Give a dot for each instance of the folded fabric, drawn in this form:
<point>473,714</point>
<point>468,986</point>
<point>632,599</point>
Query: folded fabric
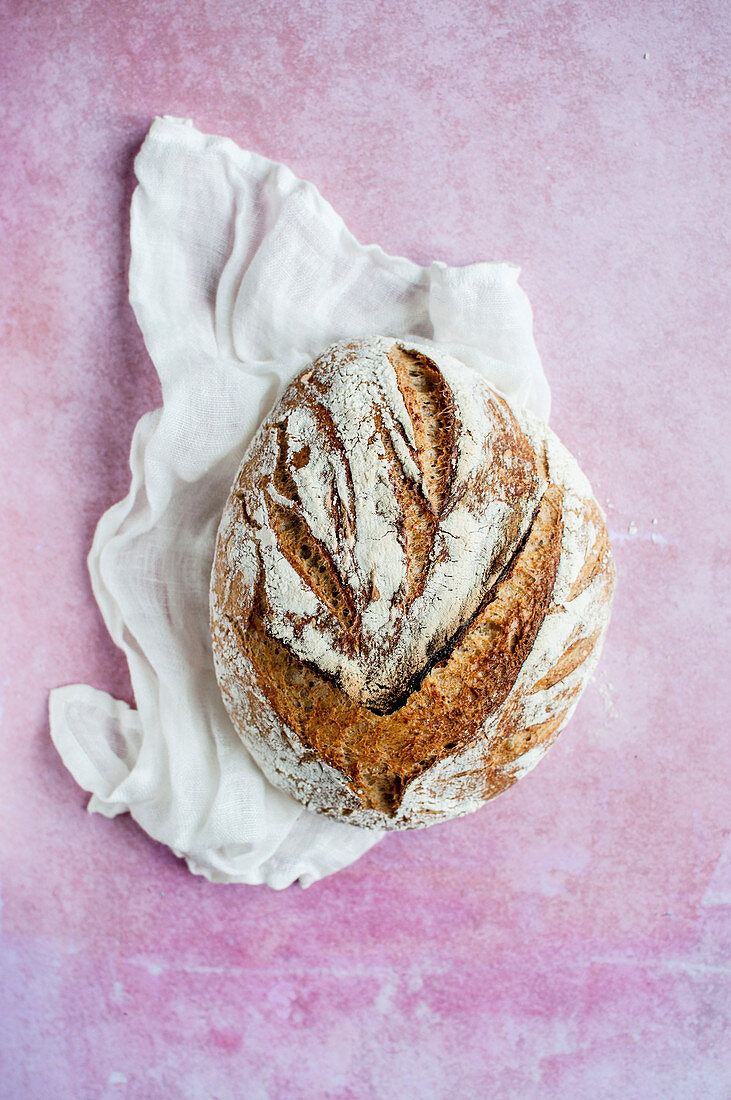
<point>240,275</point>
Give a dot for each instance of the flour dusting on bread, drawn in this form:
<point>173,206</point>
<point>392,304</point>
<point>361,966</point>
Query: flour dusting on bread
<point>411,586</point>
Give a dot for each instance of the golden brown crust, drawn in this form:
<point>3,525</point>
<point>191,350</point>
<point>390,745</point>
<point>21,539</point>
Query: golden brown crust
<point>381,754</point>
<point>600,557</point>
<point>574,656</point>
<point>478,707</point>
<point>433,415</point>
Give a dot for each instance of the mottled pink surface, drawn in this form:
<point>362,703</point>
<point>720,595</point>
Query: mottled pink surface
<point>572,939</point>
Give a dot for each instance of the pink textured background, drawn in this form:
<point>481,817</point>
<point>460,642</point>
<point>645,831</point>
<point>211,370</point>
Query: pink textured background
<point>572,939</point>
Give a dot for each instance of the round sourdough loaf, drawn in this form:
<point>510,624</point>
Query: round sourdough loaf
<point>411,586</point>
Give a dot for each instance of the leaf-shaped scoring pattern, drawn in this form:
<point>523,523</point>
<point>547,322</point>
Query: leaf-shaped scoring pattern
<point>410,591</point>
<point>387,495</point>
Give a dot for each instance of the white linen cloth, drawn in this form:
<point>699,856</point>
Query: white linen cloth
<point>240,275</point>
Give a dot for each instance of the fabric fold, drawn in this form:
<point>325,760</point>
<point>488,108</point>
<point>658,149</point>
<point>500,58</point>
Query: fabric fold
<point>240,274</point>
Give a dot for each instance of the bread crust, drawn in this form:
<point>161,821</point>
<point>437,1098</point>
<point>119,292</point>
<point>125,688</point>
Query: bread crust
<point>346,678</point>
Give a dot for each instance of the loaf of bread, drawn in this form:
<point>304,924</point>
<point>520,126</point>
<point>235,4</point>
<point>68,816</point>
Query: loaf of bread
<point>411,586</point>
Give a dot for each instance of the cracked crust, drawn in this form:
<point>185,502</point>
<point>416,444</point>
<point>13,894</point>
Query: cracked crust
<point>410,588</point>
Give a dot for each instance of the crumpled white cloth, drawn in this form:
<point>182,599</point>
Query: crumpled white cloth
<point>240,275</point>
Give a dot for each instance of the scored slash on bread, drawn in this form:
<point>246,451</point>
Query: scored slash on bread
<point>410,588</point>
